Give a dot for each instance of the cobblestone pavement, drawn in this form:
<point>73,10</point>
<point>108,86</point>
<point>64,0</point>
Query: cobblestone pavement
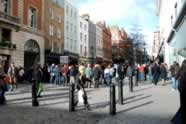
<point>148,104</point>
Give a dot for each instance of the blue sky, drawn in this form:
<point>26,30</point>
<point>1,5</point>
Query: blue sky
<point>125,13</point>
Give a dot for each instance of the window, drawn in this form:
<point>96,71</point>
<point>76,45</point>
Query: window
<point>81,37</point>
<point>81,49</point>
<point>51,30</point>
<point>32,17</point>
<point>51,13</point>
<point>67,10</point>
<point>59,19</point>
<point>6,6</point>
<point>81,24</point>
<point>59,33</point>
<point>171,20</point>
<point>71,26</point>
<point>67,26</point>
<point>85,38</point>
<point>6,35</point>
<point>175,7</point>
<point>85,52</point>
<point>52,46</point>
<point>71,13</point>
<point>85,27</point>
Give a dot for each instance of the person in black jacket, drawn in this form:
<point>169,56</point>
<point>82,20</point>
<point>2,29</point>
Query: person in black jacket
<point>96,75</point>
<point>180,76</point>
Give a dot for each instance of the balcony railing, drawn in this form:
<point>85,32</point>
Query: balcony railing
<point>7,45</point>
<point>9,18</point>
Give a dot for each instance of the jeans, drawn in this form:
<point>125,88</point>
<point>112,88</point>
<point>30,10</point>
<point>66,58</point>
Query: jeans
<point>58,80</point>
<point>51,79</point>
<point>141,76</point>
<point>174,83</point>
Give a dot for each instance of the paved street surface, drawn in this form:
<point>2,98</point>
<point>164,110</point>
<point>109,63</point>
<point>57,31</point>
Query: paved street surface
<point>147,105</point>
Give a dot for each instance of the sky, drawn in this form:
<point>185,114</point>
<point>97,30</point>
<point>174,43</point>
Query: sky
<point>124,13</point>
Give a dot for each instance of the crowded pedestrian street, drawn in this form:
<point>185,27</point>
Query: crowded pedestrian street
<point>148,104</point>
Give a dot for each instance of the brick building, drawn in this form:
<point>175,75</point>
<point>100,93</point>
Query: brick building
<point>54,30</point>
<point>119,38</point>
<point>107,41</point>
<point>22,39</point>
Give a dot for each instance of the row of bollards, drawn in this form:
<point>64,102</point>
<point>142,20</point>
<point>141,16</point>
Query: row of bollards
<point>112,104</point>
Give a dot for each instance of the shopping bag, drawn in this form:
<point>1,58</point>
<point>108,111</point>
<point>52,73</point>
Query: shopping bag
<point>80,96</point>
<point>40,87</point>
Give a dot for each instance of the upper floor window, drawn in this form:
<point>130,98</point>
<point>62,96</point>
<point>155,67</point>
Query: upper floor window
<point>67,10</point>
<point>171,20</point>
<point>51,13</point>
<point>81,36</point>
<point>59,33</point>
<point>32,17</point>
<point>59,19</point>
<point>85,27</point>
<point>51,30</point>
<point>81,24</point>
<point>71,13</point>
<point>6,6</point>
<point>175,7</point>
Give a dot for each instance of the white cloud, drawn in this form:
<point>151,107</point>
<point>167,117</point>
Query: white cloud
<point>109,10</point>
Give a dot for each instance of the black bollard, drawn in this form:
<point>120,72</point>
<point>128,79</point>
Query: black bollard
<point>35,103</point>
<point>136,83</point>
<point>120,92</point>
<point>112,100</point>
<point>71,98</point>
<point>131,84</point>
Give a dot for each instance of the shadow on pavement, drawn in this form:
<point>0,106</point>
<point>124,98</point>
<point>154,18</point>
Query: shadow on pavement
<point>135,100</point>
<point>135,107</point>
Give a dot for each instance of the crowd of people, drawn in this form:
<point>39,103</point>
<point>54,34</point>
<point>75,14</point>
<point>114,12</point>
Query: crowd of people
<point>88,76</point>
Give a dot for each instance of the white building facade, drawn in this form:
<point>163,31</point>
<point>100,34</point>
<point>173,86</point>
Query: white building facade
<point>99,43</point>
<point>172,29</point>
<point>70,28</point>
<point>83,37</point>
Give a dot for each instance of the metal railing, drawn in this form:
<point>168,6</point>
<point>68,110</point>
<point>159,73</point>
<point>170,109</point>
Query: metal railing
<point>7,45</point>
<point>9,17</point>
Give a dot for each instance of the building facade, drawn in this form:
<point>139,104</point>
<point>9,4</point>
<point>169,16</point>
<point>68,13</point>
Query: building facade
<point>99,44</point>
<point>22,31</point>
<point>54,31</point>
<point>83,36</point>
<point>156,44</point>
<point>107,42</point>
<point>172,28</point>
<point>92,42</point>
<point>71,30</point>
<point>119,38</point>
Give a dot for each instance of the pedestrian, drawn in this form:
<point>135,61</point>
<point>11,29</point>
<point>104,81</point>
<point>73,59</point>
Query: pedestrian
<point>150,73</point>
<point>12,73</point>
<point>107,75</point>
<point>57,75</point>
<point>182,89</point>
<point>65,71</point>
<point>130,72</point>
<point>52,73</point>
<point>96,75</point>
<point>156,73</point>
<point>88,74</point>
<point>46,74</point>
<point>3,86</point>
<point>163,73</point>
<point>81,94</point>
<point>141,72</point>
<point>173,76</point>
<point>72,74</point>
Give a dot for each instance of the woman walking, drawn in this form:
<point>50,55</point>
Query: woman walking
<point>163,73</point>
